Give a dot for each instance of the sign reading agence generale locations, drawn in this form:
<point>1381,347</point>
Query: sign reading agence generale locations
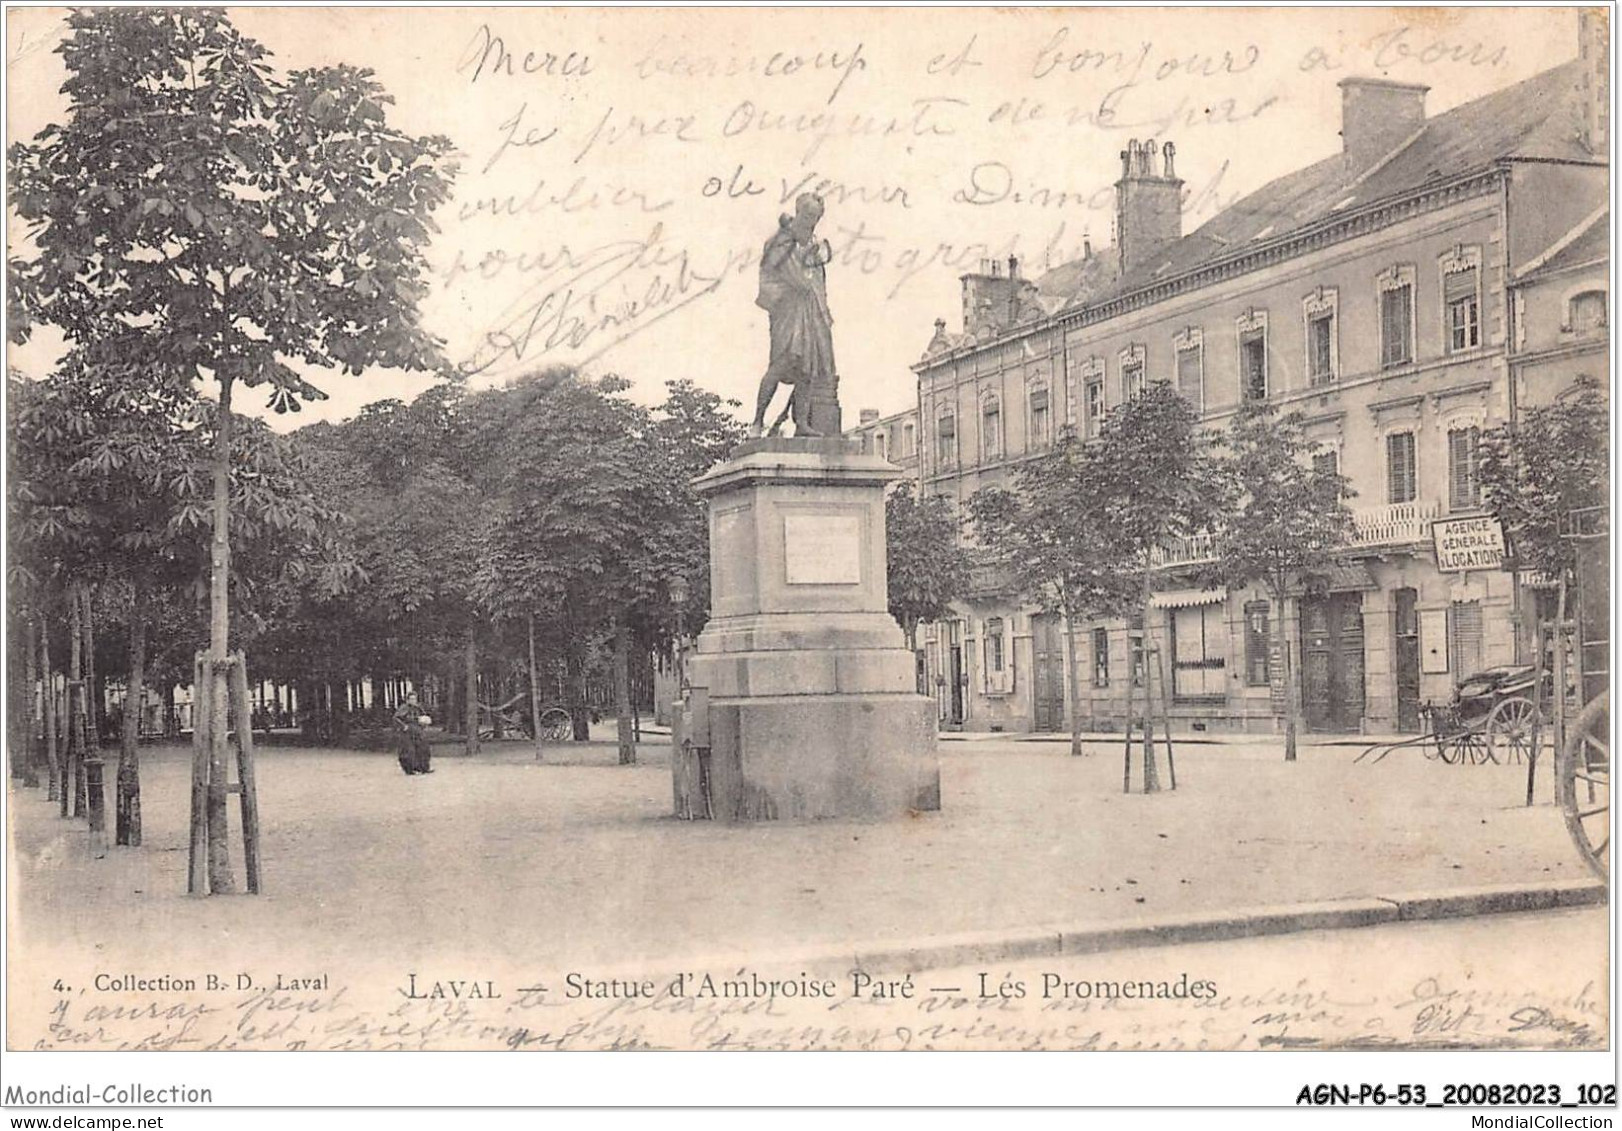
<point>1468,543</point>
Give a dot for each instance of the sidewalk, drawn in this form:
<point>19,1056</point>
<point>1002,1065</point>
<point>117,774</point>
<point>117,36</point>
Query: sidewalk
<point>575,860</point>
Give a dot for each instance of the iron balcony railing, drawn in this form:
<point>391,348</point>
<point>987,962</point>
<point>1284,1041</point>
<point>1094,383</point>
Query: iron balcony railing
<point>1394,524</point>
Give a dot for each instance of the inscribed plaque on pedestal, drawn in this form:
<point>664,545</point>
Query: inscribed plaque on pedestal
<point>822,549</point>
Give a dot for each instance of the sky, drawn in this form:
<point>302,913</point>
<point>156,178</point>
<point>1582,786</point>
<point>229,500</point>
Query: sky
<point>621,168</point>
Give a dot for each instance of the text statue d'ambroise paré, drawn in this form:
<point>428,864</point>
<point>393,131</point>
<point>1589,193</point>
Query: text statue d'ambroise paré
<point>794,294</point>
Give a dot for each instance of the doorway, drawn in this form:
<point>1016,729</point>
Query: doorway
<point>954,715</point>
<point>1047,647</point>
<point>1332,662</point>
<point>1405,649</point>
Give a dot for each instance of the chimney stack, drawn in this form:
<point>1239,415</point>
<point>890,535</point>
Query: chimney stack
<point>1376,116</point>
<point>1148,204</point>
<point>869,416</point>
<point>1594,49</point>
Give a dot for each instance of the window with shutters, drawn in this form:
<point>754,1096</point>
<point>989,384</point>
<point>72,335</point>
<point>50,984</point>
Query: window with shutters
<point>1100,657</point>
<point>1190,352</point>
<point>1463,459</point>
<point>1095,406</point>
<point>1402,480</point>
<point>1320,349</point>
<point>1199,650</point>
<point>1396,290</point>
<point>946,438</point>
<point>991,428</point>
<point>1253,367</point>
<point>1465,640</point>
<point>909,439</point>
<point>1258,670</point>
<point>996,667</point>
<point>1251,327</point>
<point>1319,311</point>
<point>1462,304</point>
<point>1041,429</point>
<point>1133,367</point>
<point>1326,462</point>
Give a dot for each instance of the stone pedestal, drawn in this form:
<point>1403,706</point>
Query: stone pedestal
<point>804,692</point>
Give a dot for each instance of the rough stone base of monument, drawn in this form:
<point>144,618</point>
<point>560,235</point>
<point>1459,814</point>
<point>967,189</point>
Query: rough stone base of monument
<point>804,703</point>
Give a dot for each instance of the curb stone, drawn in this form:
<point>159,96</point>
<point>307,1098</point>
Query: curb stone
<point>1243,923</point>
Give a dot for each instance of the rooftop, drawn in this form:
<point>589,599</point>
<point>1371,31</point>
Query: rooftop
<point>1534,120</point>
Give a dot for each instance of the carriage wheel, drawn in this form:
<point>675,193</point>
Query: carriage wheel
<point>1585,784</point>
<point>1512,729</point>
<point>556,725</point>
<point>1449,748</point>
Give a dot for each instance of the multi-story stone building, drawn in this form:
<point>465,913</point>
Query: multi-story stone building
<point>1401,296</point>
<point>895,437</point>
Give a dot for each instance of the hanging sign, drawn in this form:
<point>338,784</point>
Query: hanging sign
<point>1476,542</point>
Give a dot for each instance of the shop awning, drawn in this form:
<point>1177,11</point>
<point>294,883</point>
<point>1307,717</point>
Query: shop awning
<point>1184,598</point>
<point>1353,578</point>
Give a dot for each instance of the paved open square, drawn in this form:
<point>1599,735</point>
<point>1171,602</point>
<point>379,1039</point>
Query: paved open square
<point>577,860</point>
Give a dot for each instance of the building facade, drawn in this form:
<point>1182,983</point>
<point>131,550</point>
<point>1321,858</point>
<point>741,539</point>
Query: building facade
<point>894,437</point>
<point>1402,296</point>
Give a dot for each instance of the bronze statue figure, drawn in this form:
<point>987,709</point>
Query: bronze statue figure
<point>794,294</point>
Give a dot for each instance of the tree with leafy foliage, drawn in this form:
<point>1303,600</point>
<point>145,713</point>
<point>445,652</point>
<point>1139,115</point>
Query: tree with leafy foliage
<point>928,568</point>
<point>1046,533</point>
<point>1080,529</point>
<point>195,218</point>
<point>1535,471</point>
<point>1288,521</point>
<point>575,492</point>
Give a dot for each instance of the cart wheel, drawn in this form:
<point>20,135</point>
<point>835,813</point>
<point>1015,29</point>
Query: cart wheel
<point>556,725</point>
<point>1512,728</point>
<point>1585,784</point>
<point>1450,748</point>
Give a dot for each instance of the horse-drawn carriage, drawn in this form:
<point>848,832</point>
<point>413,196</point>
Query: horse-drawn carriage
<point>1493,716</point>
<point>1510,714</point>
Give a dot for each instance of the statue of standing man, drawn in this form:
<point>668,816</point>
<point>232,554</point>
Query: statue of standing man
<point>794,294</point>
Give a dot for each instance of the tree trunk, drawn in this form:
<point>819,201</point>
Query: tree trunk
<point>1151,772</point>
<point>76,699</point>
<point>93,700</point>
<point>55,790</point>
<point>35,703</point>
<point>470,657</point>
<point>1074,683</point>
<point>534,691</point>
<point>219,564</point>
<point>127,822</point>
<point>622,691</point>
<point>579,713</point>
<point>214,721</point>
<point>1281,638</point>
